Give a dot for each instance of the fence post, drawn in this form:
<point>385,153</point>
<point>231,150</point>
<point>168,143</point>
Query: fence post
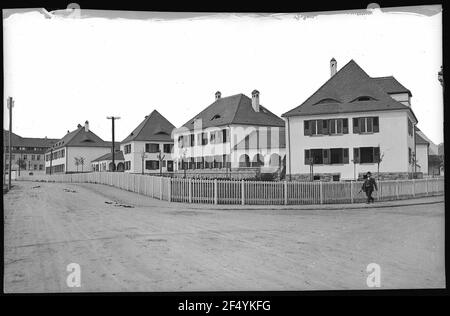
<point>190,190</point>
<point>243,191</point>
<point>351,191</point>
<point>216,195</point>
<point>285,193</point>
<point>160,189</point>
<point>321,191</point>
<point>397,189</point>
<point>169,190</point>
<point>414,187</point>
<point>426,186</point>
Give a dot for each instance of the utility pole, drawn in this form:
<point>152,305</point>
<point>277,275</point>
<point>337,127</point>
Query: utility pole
<point>10,107</point>
<point>113,118</point>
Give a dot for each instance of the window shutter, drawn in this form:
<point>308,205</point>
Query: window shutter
<point>307,128</point>
<point>355,125</point>
<point>356,155</point>
<point>345,126</point>
<point>307,156</point>
<point>325,129</point>
<point>339,126</point>
<point>345,155</point>
<point>362,125</point>
<point>376,127</point>
<point>326,156</point>
<point>376,154</point>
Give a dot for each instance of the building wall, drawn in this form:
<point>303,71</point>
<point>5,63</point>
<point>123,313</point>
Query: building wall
<point>135,159</point>
<point>237,134</point>
<point>392,138</point>
<point>32,165</point>
<point>422,157</point>
<point>89,154</point>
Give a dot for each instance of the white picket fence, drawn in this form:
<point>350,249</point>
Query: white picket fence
<point>250,192</point>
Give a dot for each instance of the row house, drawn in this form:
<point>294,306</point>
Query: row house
<point>232,134</point>
<point>351,125</point>
<point>75,151</point>
<point>148,149</point>
<point>27,153</point>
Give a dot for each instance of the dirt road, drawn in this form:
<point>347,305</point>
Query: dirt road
<point>127,242</point>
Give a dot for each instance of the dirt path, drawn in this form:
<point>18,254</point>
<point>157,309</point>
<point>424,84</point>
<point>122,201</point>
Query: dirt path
<point>135,243</point>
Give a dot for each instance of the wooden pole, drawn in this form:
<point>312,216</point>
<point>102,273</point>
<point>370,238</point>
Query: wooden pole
<point>10,106</point>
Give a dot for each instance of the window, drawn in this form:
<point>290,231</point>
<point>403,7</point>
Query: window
<point>24,157</point>
<point>127,150</point>
<point>38,157</point>
<point>366,154</point>
<point>151,164</point>
<point>215,117</point>
<point>41,167</point>
<point>212,138</point>
<point>326,127</point>
<point>152,148</point>
<point>225,135</point>
<point>364,98</point>
<point>409,155</point>
<point>363,125</point>
<point>35,167</point>
<point>204,138</point>
<point>327,100</point>
<point>327,156</point>
<point>33,157</point>
<point>167,148</point>
<point>127,165</point>
<point>192,140</point>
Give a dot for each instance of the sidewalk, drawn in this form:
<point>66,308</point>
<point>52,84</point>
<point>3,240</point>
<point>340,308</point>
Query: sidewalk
<point>385,204</point>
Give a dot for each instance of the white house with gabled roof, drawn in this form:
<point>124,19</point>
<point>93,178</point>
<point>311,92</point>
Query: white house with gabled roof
<point>348,125</point>
<point>64,155</point>
<point>148,148</point>
<point>232,134</point>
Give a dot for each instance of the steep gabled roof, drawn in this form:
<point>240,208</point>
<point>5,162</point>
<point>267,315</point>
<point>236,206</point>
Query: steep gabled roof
<point>80,138</point>
<point>154,127</point>
<point>118,155</point>
<point>391,85</point>
<point>26,141</point>
<point>345,87</point>
<point>235,109</point>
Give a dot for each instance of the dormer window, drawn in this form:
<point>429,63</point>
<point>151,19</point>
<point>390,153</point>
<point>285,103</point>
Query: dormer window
<point>327,100</point>
<point>364,98</point>
<point>215,117</point>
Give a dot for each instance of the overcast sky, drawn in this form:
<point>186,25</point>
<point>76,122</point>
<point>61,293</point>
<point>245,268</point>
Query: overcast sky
<point>64,71</point>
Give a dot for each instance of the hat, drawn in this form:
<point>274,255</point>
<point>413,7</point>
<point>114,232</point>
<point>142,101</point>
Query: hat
<point>368,173</point>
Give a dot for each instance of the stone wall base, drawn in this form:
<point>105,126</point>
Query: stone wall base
<point>336,176</point>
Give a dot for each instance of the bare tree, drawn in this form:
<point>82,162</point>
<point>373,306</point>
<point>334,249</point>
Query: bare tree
<point>77,162</point>
<point>161,159</point>
<point>82,161</point>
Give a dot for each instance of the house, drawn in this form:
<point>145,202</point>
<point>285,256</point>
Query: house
<point>105,163</point>
<point>75,151</point>
<point>351,125</point>
<point>27,153</point>
<point>422,152</point>
<point>148,149</point>
<point>233,135</point>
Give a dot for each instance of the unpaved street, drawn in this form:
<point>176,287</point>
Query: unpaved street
<point>127,242</point>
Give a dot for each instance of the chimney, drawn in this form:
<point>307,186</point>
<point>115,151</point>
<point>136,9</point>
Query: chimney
<point>86,126</point>
<point>68,131</point>
<point>218,95</point>
<point>333,67</point>
<point>79,126</point>
<point>255,100</point>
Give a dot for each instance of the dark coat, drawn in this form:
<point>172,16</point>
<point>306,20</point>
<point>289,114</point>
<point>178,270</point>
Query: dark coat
<point>369,184</point>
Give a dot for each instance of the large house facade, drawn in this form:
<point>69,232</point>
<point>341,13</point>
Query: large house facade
<point>75,151</point>
<point>148,149</point>
<point>233,135</point>
<point>351,125</point>
<point>27,153</point>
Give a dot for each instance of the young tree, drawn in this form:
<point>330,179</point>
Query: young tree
<point>161,159</point>
<point>82,161</point>
<point>77,162</point>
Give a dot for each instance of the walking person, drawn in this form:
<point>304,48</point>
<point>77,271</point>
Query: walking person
<point>368,186</point>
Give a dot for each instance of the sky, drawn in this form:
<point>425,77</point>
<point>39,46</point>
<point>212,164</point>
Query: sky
<point>63,71</point>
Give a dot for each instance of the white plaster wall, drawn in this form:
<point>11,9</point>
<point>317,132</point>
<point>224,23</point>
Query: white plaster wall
<point>422,157</point>
<point>135,156</point>
<point>89,154</point>
<point>392,139</point>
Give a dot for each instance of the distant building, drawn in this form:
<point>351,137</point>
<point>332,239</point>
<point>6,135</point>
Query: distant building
<point>148,145</point>
<point>348,125</point>
<point>105,163</point>
<point>234,134</point>
<point>422,152</point>
<point>27,154</point>
<point>64,156</point>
